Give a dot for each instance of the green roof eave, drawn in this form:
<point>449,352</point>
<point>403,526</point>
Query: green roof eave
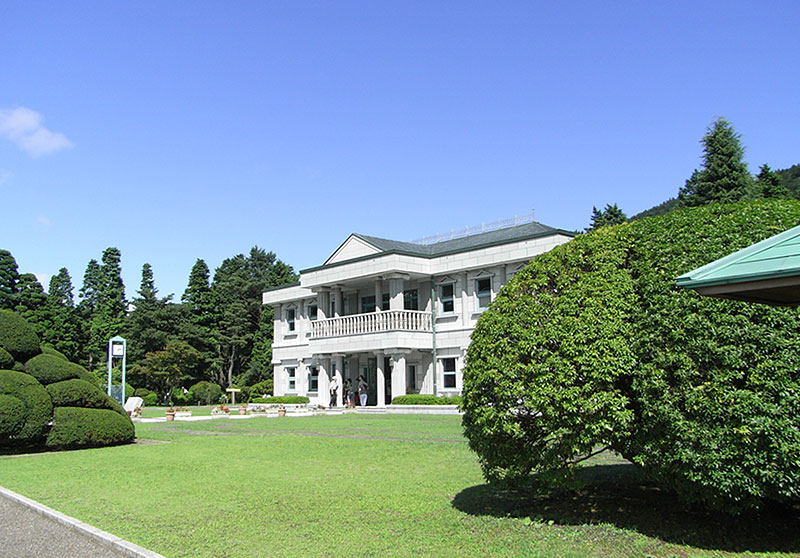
<point>776,257</point>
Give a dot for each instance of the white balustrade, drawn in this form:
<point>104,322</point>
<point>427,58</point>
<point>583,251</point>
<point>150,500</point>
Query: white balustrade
<point>373,322</point>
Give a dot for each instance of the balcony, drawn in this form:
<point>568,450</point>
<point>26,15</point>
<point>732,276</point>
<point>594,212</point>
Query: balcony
<point>373,322</point>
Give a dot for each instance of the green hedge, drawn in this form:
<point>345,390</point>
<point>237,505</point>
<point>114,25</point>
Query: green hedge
<point>74,427</point>
<point>282,399</point>
<point>205,393</point>
<point>38,408</point>
<point>593,344</point>
<point>17,337</point>
<point>80,393</point>
<point>150,400</point>
<point>49,350</point>
<point>424,399</point>
<point>13,413</point>
<point>48,369</point>
<point>6,360</point>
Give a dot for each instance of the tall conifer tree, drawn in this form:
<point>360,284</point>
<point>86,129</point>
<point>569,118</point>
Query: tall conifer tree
<point>724,176</point>
<point>9,276</point>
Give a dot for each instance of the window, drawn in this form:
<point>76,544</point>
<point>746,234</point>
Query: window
<point>385,302</point>
<point>447,299</point>
<point>313,378</point>
<point>291,381</point>
<point>411,384</point>
<point>290,319</point>
<point>449,366</point>
<point>367,304</point>
<point>312,312</point>
<point>483,288</point>
<point>410,300</point>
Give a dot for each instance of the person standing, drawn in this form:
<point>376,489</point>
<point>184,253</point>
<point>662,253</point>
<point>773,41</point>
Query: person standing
<point>347,391</point>
<point>334,387</point>
<point>362,391</point>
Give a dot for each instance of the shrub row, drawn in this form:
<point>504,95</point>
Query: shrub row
<point>284,399</point>
<point>424,399</point>
<point>29,423</point>
<point>75,427</point>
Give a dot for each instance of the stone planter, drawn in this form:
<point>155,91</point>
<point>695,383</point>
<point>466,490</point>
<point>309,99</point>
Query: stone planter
<point>281,412</point>
<point>183,414</point>
<point>242,410</point>
<point>170,416</point>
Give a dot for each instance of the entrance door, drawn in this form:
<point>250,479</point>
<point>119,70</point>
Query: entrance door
<point>387,374</point>
<point>370,373</point>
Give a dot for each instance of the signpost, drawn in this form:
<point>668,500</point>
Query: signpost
<point>117,348</point>
<point>233,392</point>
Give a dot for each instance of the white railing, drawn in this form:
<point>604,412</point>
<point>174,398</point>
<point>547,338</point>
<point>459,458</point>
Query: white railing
<point>374,322</point>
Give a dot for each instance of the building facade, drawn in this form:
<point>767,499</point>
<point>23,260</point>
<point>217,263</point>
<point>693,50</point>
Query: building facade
<point>399,314</point>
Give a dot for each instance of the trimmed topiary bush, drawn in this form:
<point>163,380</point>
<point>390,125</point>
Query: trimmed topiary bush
<point>282,399</point>
<point>80,393</point>
<point>594,345</point>
<point>150,400</point>
<point>48,369</point>
<point>262,389</point>
<point>17,337</point>
<point>75,427</point>
<point>425,399</point>
<point>205,393</point>
<point>38,408</point>
<point>48,350</point>
<point>6,360</point>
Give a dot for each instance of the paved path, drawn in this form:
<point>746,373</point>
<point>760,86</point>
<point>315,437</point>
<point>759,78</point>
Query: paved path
<point>31,530</point>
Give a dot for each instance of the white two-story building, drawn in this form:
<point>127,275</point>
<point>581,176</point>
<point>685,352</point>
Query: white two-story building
<point>398,313</point>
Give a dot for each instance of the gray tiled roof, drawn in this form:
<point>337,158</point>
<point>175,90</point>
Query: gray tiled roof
<point>501,236</point>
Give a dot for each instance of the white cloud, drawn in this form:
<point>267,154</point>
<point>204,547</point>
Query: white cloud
<point>43,220</point>
<point>24,127</point>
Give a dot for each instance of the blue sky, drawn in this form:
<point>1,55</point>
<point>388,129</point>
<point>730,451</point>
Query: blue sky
<point>184,130</point>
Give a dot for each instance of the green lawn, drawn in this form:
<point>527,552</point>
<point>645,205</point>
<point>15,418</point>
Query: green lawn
<point>365,485</point>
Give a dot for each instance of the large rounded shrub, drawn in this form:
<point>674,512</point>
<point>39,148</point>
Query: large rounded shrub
<point>25,408</point>
<point>6,360</point>
<point>49,368</point>
<point>17,337</point>
<point>205,393</point>
<point>80,393</point>
<point>75,427</point>
<point>593,344</point>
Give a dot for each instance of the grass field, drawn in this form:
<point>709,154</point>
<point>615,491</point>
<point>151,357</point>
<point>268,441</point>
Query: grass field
<point>366,485</point>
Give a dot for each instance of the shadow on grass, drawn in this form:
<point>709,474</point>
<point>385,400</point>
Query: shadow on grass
<point>618,495</point>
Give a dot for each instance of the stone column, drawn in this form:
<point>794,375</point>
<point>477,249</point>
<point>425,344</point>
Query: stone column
<point>464,299</point>
<point>337,302</point>
<point>396,294</point>
<point>381,381</point>
<point>378,294</point>
<point>338,369</point>
<point>323,307</point>
<point>276,322</point>
<point>399,376</point>
<point>323,383</point>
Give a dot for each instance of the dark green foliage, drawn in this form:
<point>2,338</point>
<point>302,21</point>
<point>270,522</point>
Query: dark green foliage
<point>75,427</point>
<point>13,413</point>
<point>768,184</point>
<point>6,360</point>
<point>30,302</point>
<point>661,209</point>
<point>8,280</point>
<point>282,399</point>
<point>150,400</point>
<point>205,393</point>
<point>18,386</point>
<point>17,336</point>
<point>61,321</point>
<point>593,345</point>
<point>48,350</point>
<point>724,176</point>
<point>611,215</point>
<point>423,399</point>
<point>262,389</point>
<point>790,178</point>
<point>165,369</point>
<point>48,369</point>
<point>80,393</point>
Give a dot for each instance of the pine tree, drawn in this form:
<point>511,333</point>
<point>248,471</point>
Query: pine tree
<point>30,302</point>
<point>153,322</point>
<point>9,276</point>
<point>611,215</point>
<point>63,325</point>
<point>724,176</point>
<point>769,185</point>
